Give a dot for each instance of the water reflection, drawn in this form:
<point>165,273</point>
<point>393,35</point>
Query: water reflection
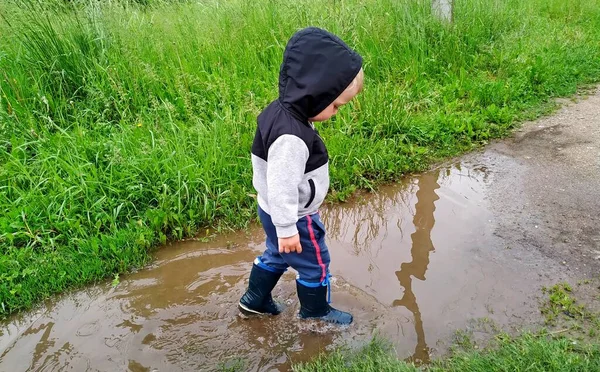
<point>366,219</point>
<point>422,246</point>
<point>180,313</point>
<point>371,224</point>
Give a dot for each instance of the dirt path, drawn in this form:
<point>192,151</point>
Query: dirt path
<point>467,243</point>
<point>547,194</point>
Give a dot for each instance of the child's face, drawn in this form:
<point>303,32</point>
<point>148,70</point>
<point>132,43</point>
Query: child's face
<point>343,99</point>
<point>332,109</point>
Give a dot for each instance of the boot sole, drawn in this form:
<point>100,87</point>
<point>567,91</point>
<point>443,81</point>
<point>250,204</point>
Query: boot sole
<point>325,320</point>
<point>248,311</point>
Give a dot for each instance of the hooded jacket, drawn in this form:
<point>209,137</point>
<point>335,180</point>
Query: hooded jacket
<point>289,160</point>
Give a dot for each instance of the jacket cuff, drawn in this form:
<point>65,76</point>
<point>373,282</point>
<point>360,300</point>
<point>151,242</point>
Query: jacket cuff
<point>286,231</point>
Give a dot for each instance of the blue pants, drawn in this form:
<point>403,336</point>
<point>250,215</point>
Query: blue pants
<point>312,264</point>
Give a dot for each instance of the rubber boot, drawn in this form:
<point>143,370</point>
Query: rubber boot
<point>314,305</point>
<point>257,299</point>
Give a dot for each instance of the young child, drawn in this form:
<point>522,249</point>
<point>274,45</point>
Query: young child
<point>319,74</point>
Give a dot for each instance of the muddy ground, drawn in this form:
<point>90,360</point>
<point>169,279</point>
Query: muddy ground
<point>547,194</point>
<point>471,242</point>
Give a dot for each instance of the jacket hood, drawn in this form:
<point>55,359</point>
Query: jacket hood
<point>317,67</point>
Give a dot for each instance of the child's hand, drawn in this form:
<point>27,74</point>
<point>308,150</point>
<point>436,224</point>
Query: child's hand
<point>291,244</point>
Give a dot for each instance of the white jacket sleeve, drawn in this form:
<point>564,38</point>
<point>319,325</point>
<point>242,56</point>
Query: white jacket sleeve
<point>286,164</point>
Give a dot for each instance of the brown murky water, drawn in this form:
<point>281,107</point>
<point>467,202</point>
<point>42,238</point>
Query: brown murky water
<point>414,262</point>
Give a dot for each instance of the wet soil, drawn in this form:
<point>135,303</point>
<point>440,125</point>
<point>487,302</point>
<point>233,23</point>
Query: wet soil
<point>469,241</point>
<point>549,175</point>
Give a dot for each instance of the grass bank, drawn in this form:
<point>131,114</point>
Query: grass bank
<point>124,125</point>
<point>572,343</point>
<point>528,352</point>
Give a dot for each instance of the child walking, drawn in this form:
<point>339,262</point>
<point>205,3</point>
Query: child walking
<point>319,74</point>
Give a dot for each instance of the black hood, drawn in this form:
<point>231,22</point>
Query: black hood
<point>317,67</point>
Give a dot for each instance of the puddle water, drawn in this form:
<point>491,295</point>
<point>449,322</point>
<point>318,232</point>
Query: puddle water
<point>414,263</point>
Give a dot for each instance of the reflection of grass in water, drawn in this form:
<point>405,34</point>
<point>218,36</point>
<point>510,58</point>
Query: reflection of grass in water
<point>232,365</point>
<point>368,218</point>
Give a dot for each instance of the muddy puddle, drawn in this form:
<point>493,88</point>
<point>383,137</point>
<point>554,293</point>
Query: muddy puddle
<point>414,263</point>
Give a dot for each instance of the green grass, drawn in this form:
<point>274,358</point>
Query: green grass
<point>543,351</point>
<point>377,356</point>
<point>562,309</point>
<point>125,125</point>
<point>561,302</point>
<point>528,352</point>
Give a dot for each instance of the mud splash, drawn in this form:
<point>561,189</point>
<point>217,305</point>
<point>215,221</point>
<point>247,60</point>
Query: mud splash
<point>413,262</point>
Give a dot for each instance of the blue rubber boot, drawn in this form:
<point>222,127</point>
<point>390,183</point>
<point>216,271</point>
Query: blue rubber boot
<point>258,300</point>
<point>314,305</point>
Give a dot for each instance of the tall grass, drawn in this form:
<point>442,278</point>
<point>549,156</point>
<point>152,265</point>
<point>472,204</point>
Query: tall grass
<point>123,125</point>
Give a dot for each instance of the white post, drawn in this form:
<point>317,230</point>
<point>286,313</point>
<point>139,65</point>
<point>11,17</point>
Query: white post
<point>443,9</point>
